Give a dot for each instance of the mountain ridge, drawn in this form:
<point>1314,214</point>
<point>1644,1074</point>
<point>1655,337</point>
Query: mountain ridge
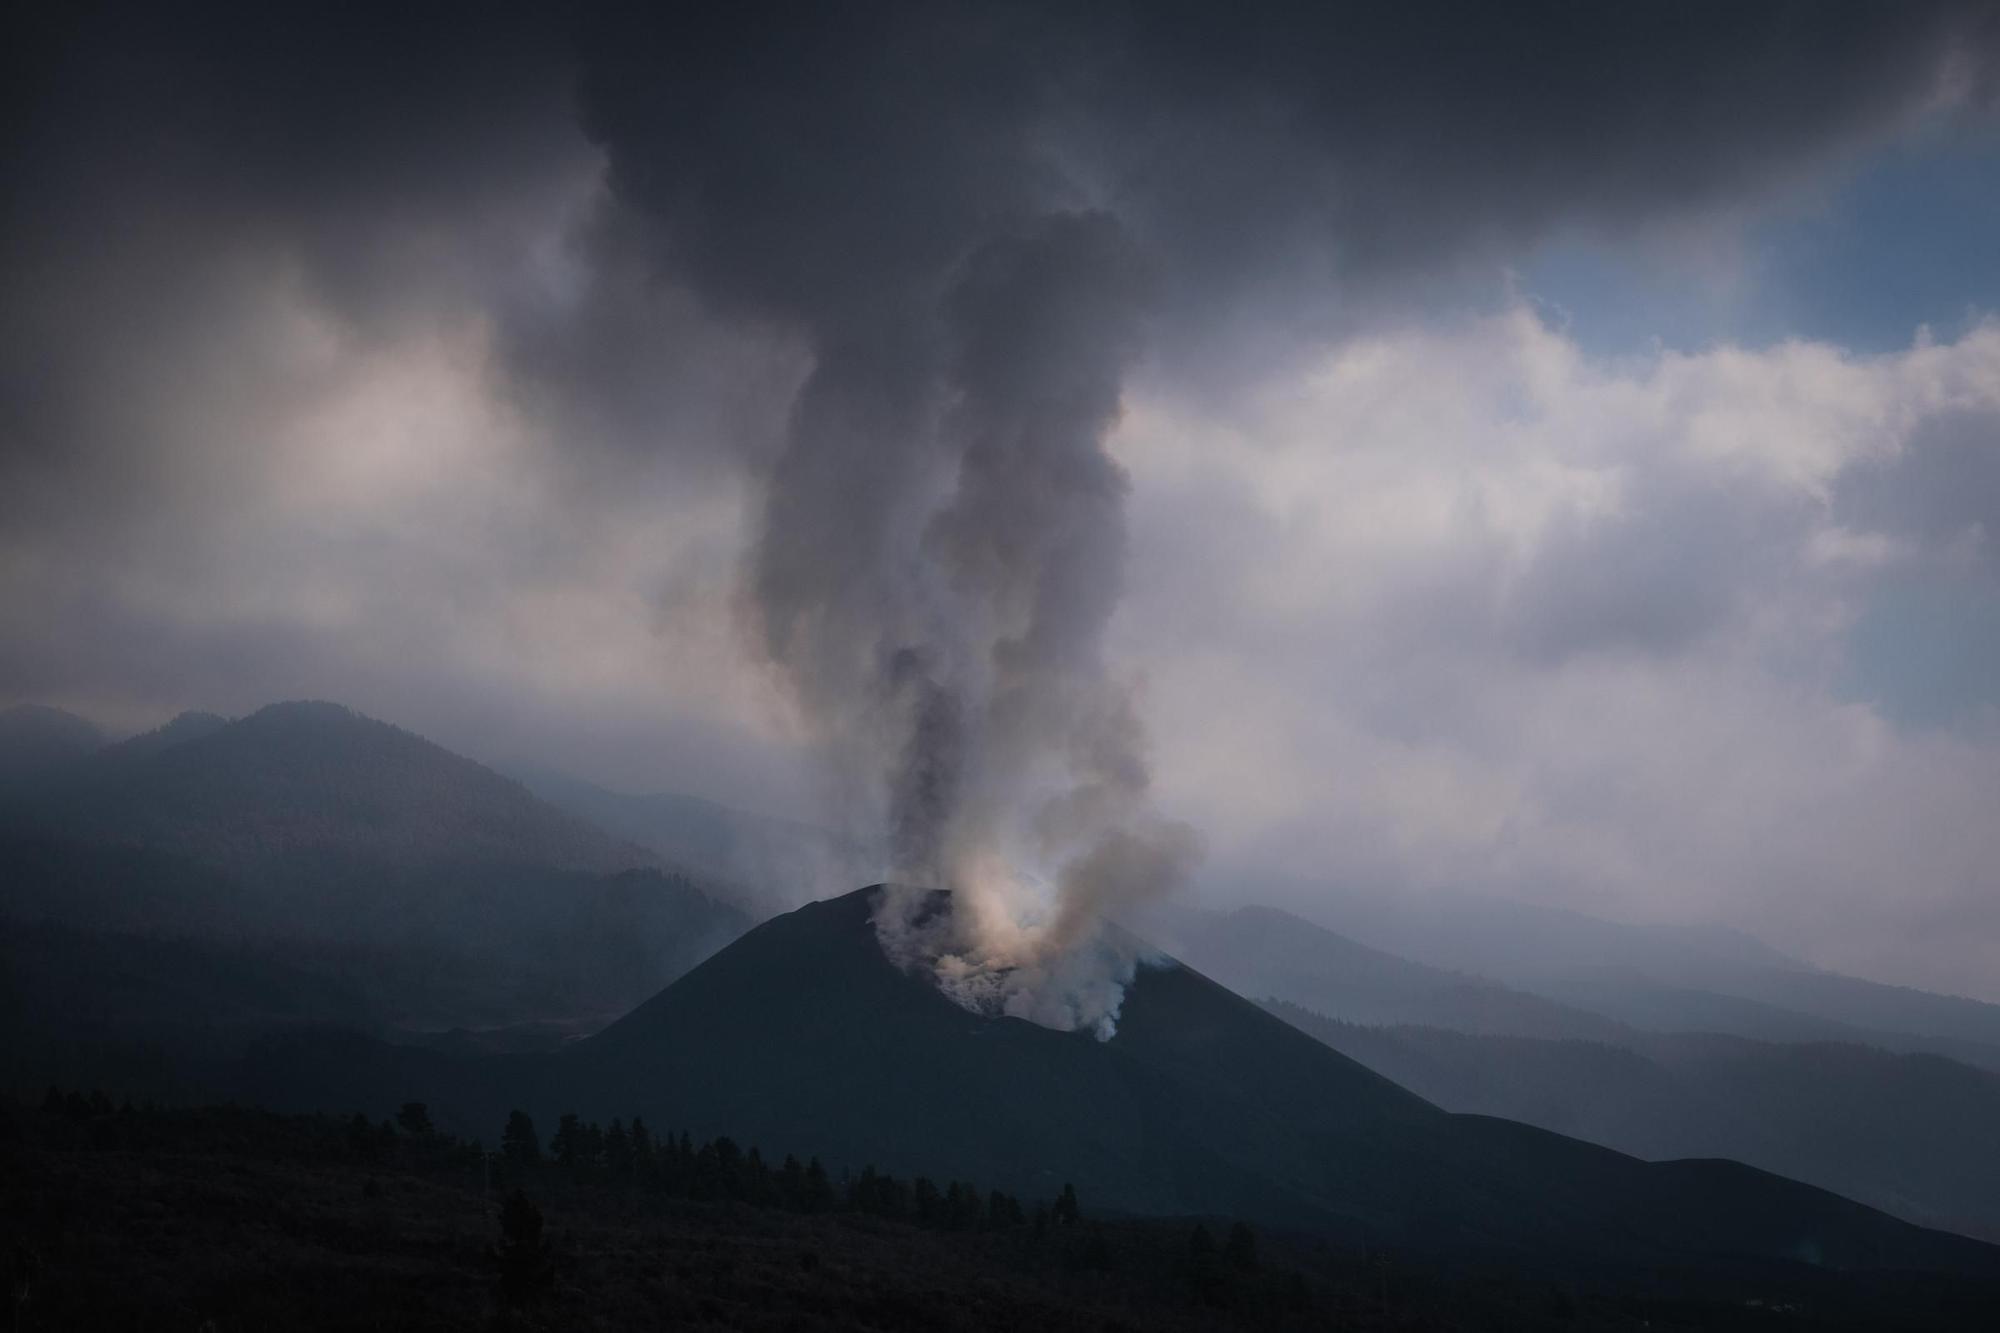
<point>1653,978</point>
<point>802,1032</point>
<point>352,849</point>
<point>1907,1133</point>
<point>39,742</point>
<point>298,777</point>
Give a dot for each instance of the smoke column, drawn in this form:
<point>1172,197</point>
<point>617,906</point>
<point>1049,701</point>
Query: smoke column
<point>942,537</point>
<point>940,557</point>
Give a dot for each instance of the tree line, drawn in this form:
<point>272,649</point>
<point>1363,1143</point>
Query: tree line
<point>583,1160</point>
<point>622,1154</point>
<point>721,1170</point>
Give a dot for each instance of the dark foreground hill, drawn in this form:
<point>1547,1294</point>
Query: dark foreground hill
<point>802,1033</point>
<point>227,1218</point>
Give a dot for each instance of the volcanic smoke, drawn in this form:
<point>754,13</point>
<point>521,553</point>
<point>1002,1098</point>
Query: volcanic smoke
<point>942,536</point>
<point>944,626</point>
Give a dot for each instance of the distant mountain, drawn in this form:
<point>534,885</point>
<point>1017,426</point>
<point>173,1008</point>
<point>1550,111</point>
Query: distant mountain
<point>295,781</point>
<point>1974,1025</point>
<point>769,863</point>
<point>802,1033</point>
<point>1515,941</point>
<point>1910,1134</point>
<point>1265,952</point>
<point>188,726</point>
<point>1660,978</point>
<point>1262,951</point>
<point>39,744</point>
<point>444,894</point>
<point>470,947</point>
<point>1801,1007</point>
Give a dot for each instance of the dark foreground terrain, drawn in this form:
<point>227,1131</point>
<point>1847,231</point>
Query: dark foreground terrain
<point>228,1218</point>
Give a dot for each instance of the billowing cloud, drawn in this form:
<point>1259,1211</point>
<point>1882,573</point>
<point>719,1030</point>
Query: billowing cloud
<point>495,369</point>
<point>1473,608</point>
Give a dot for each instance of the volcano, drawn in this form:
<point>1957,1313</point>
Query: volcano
<point>802,1037</point>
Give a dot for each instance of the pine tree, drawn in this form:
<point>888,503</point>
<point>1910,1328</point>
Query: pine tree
<point>525,1272</point>
<point>1066,1210</point>
<point>705,1174</point>
<point>728,1168</point>
<point>1003,1210</point>
<point>792,1182</point>
<point>757,1186</point>
<point>1202,1274</point>
<point>566,1144</point>
<point>618,1151</point>
<point>1241,1247</point>
<point>819,1190</point>
<point>518,1143</point>
<point>961,1206</point>
<point>414,1118</point>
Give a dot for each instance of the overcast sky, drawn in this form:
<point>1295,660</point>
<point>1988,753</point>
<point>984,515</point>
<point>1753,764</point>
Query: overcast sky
<point>1563,448</point>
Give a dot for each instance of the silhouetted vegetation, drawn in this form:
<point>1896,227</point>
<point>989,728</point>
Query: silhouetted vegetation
<point>525,1271</point>
<point>561,1228</point>
<point>414,1118</point>
<point>518,1143</point>
<point>117,1215</point>
<point>721,1171</point>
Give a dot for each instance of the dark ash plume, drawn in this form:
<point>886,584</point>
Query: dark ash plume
<point>952,649</point>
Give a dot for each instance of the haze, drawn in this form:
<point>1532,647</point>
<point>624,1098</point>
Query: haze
<point>1560,464</point>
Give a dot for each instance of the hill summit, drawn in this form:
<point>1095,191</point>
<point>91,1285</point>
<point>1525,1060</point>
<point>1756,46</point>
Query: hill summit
<point>350,850</point>
<point>302,779</point>
<point>38,743</point>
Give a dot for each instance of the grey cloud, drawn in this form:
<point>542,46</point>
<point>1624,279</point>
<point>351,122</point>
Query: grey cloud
<point>1925,647</point>
<point>1941,488</point>
<point>942,237</point>
<point>370,143</point>
<point>172,172</point>
<point>617,360</point>
<point>1681,557</point>
<point>1285,160</point>
<point>809,160</point>
<point>1318,162</point>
